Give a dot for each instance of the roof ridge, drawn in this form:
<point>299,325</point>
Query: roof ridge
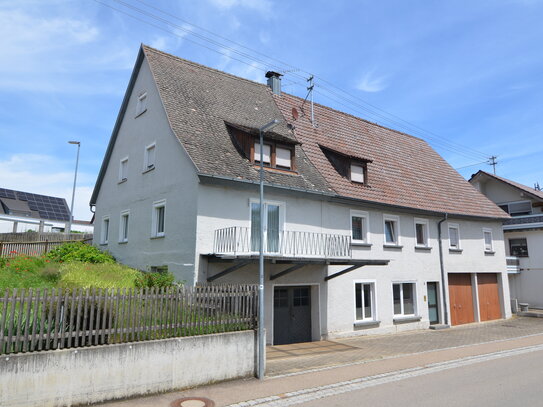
<point>188,62</point>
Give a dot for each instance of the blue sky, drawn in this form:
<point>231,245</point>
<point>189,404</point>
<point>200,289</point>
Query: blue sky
<point>463,72</point>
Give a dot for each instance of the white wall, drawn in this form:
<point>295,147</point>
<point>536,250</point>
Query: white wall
<point>174,179</point>
<point>221,207</point>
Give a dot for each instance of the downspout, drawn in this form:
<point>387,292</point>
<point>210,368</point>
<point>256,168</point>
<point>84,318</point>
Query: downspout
<point>443,291</point>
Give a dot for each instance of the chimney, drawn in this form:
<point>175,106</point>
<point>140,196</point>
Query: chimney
<point>274,81</point>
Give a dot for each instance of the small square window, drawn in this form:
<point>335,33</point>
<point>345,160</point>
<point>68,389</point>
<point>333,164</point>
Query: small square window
<point>123,170</point>
<point>357,173</point>
<point>518,247</point>
<point>141,106</point>
<point>487,234</point>
<point>283,157</point>
<point>266,152</point>
<point>150,156</point>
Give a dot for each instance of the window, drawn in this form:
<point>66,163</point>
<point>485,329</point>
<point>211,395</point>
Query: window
<point>357,172</point>
<point>273,224</point>
<point>141,106</point>
<point>487,234</point>
<point>359,227</point>
<point>403,298</point>
<point>157,224</point>
<point>364,301</point>
<point>517,208</point>
<point>392,230</point>
<point>454,237</point>
<point>149,158</point>
<point>518,247</point>
<point>123,170</point>
<point>421,232</point>
<point>123,227</point>
<point>159,269</point>
<point>104,233</point>
<point>274,155</point>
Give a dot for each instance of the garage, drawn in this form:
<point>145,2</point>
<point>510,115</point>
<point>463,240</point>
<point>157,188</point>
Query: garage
<point>489,297</point>
<point>461,298</point>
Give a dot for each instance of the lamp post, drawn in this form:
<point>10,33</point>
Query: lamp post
<point>78,143</point>
<point>261,344</point>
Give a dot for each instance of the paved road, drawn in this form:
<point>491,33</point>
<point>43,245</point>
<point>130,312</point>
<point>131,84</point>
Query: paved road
<point>499,380</point>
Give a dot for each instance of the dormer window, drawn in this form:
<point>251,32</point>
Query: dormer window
<point>358,172</point>
<point>266,153</point>
<point>275,155</point>
<point>283,158</point>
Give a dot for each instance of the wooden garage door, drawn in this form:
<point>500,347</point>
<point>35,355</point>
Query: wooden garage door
<point>461,298</point>
<point>489,298</point>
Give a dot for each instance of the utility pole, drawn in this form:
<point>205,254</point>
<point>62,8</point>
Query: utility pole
<point>310,89</point>
<point>493,163</point>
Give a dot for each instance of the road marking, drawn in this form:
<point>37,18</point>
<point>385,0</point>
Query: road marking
<point>314,393</point>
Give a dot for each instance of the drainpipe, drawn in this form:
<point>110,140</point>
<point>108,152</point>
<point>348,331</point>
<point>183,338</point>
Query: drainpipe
<point>443,291</point>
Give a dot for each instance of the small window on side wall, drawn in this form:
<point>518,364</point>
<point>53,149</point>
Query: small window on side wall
<point>487,235</point>
<point>149,157</point>
<point>104,233</point>
<point>141,106</point>
<point>123,170</point>
<point>123,227</point>
<point>454,237</point>
<point>159,218</point>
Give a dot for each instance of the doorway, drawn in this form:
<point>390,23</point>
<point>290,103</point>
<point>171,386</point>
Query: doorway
<point>433,310</point>
<point>291,314</point>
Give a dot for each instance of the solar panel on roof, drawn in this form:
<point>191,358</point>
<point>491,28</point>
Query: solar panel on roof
<point>49,207</point>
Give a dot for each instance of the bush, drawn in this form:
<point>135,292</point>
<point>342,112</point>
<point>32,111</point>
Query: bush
<point>155,279</point>
<point>79,251</point>
<point>105,275</point>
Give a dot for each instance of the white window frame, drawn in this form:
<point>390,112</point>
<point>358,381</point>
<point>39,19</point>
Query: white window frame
<point>491,249</point>
<point>122,232</point>
<point>154,222</point>
<point>121,162</point>
<point>146,165</point>
<point>374,314</point>
<point>282,215</point>
<point>457,227</point>
<point>141,105</point>
<point>415,305</point>
<point>426,232</point>
<point>396,220</point>
<point>104,235</point>
<point>365,226</point>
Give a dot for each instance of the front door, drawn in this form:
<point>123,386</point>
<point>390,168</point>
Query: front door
<point>432,302</point>
<point>291,314</point>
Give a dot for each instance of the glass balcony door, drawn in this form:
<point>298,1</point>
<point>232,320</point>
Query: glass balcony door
<point>272,227</point>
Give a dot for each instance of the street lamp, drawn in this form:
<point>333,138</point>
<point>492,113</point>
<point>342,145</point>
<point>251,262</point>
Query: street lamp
<point>261,344</point>
<point>78,143</point>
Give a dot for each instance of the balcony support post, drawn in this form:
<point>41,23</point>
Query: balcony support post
<point>339,273</point>
<point>289,270</point>
<point>228,271</point>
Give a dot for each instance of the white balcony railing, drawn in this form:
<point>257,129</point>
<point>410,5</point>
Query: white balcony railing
<point>239,241</point>
<point>513,264</point>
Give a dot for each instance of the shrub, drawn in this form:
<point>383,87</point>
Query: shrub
<point>155,279</point>
<point>79,251</point>
<point>105,275</point>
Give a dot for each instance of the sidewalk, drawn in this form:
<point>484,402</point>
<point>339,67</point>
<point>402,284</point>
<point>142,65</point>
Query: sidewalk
<point>302,366</point>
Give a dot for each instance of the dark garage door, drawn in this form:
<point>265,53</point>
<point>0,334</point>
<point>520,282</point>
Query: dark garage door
<point>291,314</point>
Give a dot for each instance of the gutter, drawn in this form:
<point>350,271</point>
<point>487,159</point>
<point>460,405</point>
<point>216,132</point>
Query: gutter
<point>442,267</point>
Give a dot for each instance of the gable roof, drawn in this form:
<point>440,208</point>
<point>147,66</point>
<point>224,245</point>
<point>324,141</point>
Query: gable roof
<point>523,188</point>
<point>201,102</point>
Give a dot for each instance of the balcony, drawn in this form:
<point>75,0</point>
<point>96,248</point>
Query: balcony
<point>513,264</point>
<point>238,241</point>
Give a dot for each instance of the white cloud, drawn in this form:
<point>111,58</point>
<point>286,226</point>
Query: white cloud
<point>263,6</point>
<point>370,83</point>
<point>44,174</point>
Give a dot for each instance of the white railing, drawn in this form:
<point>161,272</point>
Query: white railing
<point>513,264</point>
<point>238,241</point>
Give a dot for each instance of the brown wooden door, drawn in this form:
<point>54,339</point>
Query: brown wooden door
<point>489,297</point>
<point>461,298</point>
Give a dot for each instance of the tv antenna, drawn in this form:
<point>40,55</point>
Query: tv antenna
<point>493,162</point>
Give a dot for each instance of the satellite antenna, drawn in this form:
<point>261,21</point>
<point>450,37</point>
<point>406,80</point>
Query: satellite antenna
<point>295,113</point>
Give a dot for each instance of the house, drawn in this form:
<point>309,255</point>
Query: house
<point>523,234</point>
<point>354,212</point>
<point>23,211</point>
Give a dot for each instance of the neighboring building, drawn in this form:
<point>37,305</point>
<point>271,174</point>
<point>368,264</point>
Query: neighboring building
<point>523,234</point>
<point>24,211</point>
<point>352,208</point>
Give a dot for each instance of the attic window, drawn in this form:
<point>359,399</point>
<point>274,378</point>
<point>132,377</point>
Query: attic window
<point>275,155</point>
<point>353,168</point>
<point>141,106</point>
<point>357,172</point>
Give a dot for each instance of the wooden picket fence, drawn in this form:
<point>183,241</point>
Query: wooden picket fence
<point>44,319</point>
<point>32,236</point>
<point>13,249</point>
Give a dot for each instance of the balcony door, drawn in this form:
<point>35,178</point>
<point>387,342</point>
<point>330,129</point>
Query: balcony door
<point>272,227</point>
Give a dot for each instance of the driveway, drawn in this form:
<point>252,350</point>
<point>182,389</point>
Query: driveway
<point>301,357</point>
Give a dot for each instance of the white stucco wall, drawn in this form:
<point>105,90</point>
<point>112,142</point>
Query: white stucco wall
<point>174,179</point>
<point>336,297</point>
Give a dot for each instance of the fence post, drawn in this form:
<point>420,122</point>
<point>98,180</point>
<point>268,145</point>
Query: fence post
<point>46,246</point>
<point>1,249</point>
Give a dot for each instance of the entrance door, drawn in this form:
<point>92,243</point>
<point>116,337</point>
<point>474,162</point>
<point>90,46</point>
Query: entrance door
<point>432,302</point>
<point>461,298</point>
<point>489,298</point>
<point>291,315</point>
